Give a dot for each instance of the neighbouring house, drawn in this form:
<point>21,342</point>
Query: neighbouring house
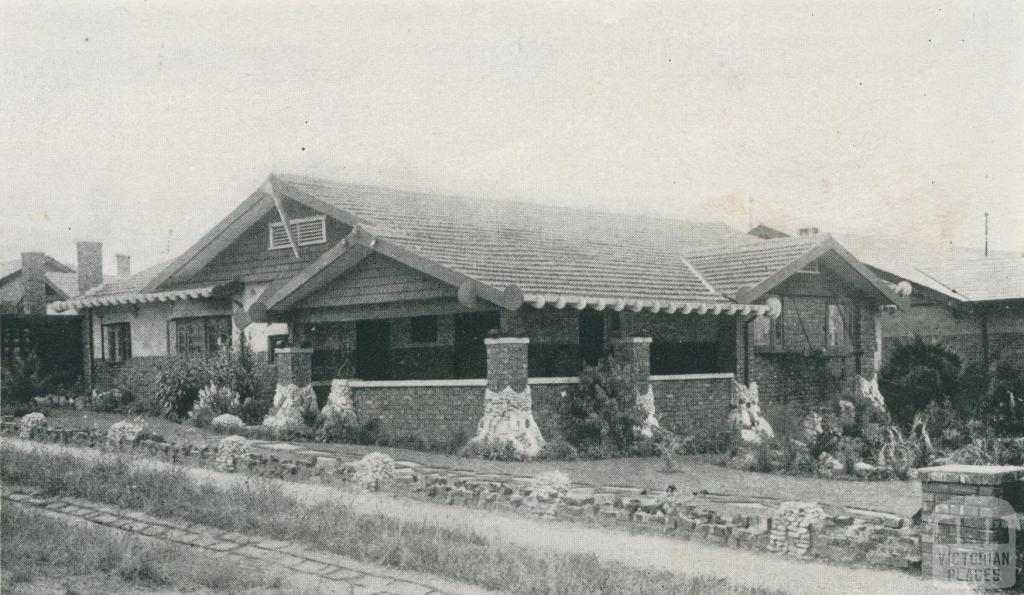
<point>424,303</point>
<point>30,284</point>
<point>29,288</point>
<point>969,301</point>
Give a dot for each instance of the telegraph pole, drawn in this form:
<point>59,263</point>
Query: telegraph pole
<point>986,234</point>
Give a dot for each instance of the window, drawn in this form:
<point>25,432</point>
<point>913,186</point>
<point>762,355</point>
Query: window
<point>275,342</point>
<point>117,342</point>
<point>838,314</point>
<point>193,336</point>
<point>308,231</point>
<point>766,332</point>
<point>423,329</point>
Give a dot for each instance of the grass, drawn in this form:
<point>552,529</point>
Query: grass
<point>259,507</point>
<point>40,553</point>
<point>691,473</point>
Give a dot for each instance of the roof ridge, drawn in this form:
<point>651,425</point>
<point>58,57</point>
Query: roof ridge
<point>425,191</point>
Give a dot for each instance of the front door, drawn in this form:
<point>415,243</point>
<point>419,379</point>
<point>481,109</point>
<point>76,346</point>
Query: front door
<point>373,350</point>
<point>470,352</point>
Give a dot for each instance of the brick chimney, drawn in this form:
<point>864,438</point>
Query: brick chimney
<point>124,266</point>
<point>33,283</point>
<point>90,265</point>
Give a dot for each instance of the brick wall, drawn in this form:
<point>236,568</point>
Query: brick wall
<point>437,414</point>
<point>693,403</point>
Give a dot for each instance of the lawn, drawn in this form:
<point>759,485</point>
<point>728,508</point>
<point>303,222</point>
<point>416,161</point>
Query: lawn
<point>40,554</point>
<point>262,508</point>
<point>691,474</point>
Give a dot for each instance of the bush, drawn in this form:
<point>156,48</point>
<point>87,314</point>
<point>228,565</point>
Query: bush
<point>227,421</point>
<point>917,374</point>
<point>494,451</point>
<point>180,381</point>
<point>214,400</point>
<point>23,380</point>
<point>600,414</point>
<point>177,387</point>
<point>114,400</point>
<point>347,430</point>
<point>374,470</point>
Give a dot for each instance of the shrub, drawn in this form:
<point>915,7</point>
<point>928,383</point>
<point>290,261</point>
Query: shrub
<point>31,422</point>
<point>231,451</point>
<point>600,414</point>
<point>179,382</point>
<point>374,470</point>
<point>494,451</point>
<point>177,386</point>
<point>23,380</point>
<point>558,450</point>
<point>347,430</point>
<point>214,400</point>
<point>227,421</point>
<point>111,400</point>
<point>917,374</point>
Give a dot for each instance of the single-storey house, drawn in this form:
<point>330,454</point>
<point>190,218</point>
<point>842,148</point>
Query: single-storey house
<point>970,301</point>
<point>397,291</point>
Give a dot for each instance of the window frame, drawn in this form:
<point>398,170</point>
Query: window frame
<point>776,330</point>
<point>124,342</point>
<point>845,339</point>
<point>294,223</point>
<point>207,323</point>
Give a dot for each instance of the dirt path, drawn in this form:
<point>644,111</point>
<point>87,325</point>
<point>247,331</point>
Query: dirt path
<point>747,568</point>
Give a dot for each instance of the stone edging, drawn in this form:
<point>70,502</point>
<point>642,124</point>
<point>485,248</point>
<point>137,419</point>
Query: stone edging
<point>333,569</point>
<point>844,536</point>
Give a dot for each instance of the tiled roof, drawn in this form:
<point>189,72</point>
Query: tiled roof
<point>729,268</point>
<point>964,274</point>
<point>540,249</point>
<point>131,284</point>
<point>550,253</point>
<point>66,282</point>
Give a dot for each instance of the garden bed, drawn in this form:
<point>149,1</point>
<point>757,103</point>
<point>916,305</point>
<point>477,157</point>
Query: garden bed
<point>695,473</point>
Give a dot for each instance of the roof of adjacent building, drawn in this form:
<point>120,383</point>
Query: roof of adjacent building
<point>963,274</point>
<point>548,253</point>
<point>61,277</point>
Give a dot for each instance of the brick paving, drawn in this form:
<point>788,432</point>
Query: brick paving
<point>330,572</point>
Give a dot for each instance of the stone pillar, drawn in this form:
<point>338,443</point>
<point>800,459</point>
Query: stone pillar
<point>33,283</point>
<point>970,527</point>
<point>507,363</point>
<point>294,396</point>
<point>507,422</point>
<point>636,352</point>
<point>294,366</point>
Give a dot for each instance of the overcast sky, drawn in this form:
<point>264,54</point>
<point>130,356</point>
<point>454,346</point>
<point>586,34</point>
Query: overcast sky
<point>142,124</point>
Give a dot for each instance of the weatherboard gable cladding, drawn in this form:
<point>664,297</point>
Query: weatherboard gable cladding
<point>250,259</point>
<point>378,279</point>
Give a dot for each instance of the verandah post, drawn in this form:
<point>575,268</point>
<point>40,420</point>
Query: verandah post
<point>508,420</point>
<point>636,353</point>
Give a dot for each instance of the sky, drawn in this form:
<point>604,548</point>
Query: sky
<point>142,124</point>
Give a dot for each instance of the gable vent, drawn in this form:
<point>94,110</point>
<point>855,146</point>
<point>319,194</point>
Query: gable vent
<point>308,231</point>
